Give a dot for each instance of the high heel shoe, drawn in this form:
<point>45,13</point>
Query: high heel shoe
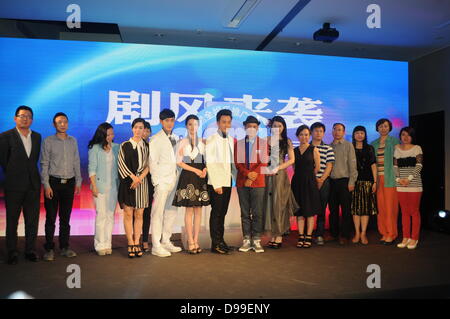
<point>197,247</point>
<point>308,241</point>
<point>356,239</point>
<point>145,249</point>
<point>138,250</point>
<point>300,241</point>
<point>277,245</point>
<point>403,245</point>
<point>131,252</point>
<point>413,246</point>
<point>364,239</point>
<point>192,250</point>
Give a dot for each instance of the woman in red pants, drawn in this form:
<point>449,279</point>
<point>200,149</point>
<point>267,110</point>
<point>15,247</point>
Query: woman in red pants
<point>408,165</point>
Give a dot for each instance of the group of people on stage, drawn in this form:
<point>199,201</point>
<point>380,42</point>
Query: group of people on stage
<point>150,177</point>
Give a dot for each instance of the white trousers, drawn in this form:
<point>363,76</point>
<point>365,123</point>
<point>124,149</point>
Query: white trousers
<point>105,205</point>
<point>163,214</point>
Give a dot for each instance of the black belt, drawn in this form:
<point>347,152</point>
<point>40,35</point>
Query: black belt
<point>61,180</point>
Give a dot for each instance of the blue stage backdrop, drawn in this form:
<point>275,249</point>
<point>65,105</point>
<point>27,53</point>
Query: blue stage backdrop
<point>94,82</point>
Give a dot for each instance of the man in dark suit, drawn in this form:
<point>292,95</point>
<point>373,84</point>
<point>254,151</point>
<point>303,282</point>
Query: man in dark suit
<point>19,155</point>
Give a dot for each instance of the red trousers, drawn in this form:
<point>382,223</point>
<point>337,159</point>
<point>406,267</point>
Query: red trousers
<point>387,203</point>
<point>409,204</point>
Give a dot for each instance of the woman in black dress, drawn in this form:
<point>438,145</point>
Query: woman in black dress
<point>304,185</point>
<point>133,186</point>
<point>192,190</point>
<point>363,197</point>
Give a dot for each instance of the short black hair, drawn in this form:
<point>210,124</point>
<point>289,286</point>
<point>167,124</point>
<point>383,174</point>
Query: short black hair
<point>25,108</point>
<point>301,128</point>
<point>60,114</point>
<point>191,117</point>
<point>138,120</point>
<point>318,125</point>
<point>381,121</point>
<point>166,114</point>
<point>223,112</point>
<point>335,124</point>
<point>411,132</point>
<point>147,126</point>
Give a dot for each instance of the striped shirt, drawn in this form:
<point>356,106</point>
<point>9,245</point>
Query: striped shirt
<point>326,156</point>
<point>380,160</point>
<point>408,165</point>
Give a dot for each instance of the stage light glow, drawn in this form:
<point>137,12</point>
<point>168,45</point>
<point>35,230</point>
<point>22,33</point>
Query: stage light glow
<point>442,214</point>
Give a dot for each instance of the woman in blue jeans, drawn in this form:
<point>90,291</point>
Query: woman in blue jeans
<point>103,154</point>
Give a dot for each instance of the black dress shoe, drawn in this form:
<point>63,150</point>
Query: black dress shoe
<point>219,250</point>
<point>32,257</point>
<point>13,259</point>
<point>389,243</point>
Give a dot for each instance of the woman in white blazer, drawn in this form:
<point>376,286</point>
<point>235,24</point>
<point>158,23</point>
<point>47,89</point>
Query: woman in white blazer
<point>102,168</point>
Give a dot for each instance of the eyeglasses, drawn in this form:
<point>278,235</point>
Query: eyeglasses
<point>22,116</point>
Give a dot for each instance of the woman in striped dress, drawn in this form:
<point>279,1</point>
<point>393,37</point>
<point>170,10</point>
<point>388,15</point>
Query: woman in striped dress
<point>133,187</point>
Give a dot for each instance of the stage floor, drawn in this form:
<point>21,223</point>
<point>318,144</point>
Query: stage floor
<point>331,271</point>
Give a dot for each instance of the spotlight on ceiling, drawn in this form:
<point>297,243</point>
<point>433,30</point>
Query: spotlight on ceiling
<point>326,34</point>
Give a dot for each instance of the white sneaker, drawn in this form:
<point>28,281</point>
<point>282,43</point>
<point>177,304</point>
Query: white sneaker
<point>246,246</point>
<point>101,252</point>
<point>403,245</point>
<point>160,252</point>
<point>257,246</point>
<point>171,247</point>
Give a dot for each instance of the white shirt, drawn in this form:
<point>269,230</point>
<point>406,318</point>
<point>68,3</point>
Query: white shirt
<point>162,159</point>
<point>109,162</point>
<point>192,152</point>
<point>220,160</point>
<point>26,141</point>
<point>140,145</point>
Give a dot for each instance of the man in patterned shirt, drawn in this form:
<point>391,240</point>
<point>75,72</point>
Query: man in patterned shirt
<point>323,182</point>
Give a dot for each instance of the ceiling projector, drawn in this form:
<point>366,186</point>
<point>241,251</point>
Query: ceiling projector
<point>326,34</point>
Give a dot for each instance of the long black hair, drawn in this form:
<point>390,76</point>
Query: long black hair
<point>192,117</point>
<point>284,138</point>
<point>100,135</point>
<point>360,128</point>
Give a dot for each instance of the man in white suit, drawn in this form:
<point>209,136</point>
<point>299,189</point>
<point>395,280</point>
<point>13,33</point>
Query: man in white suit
<point>163,168</point>
<point>221,172</point>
